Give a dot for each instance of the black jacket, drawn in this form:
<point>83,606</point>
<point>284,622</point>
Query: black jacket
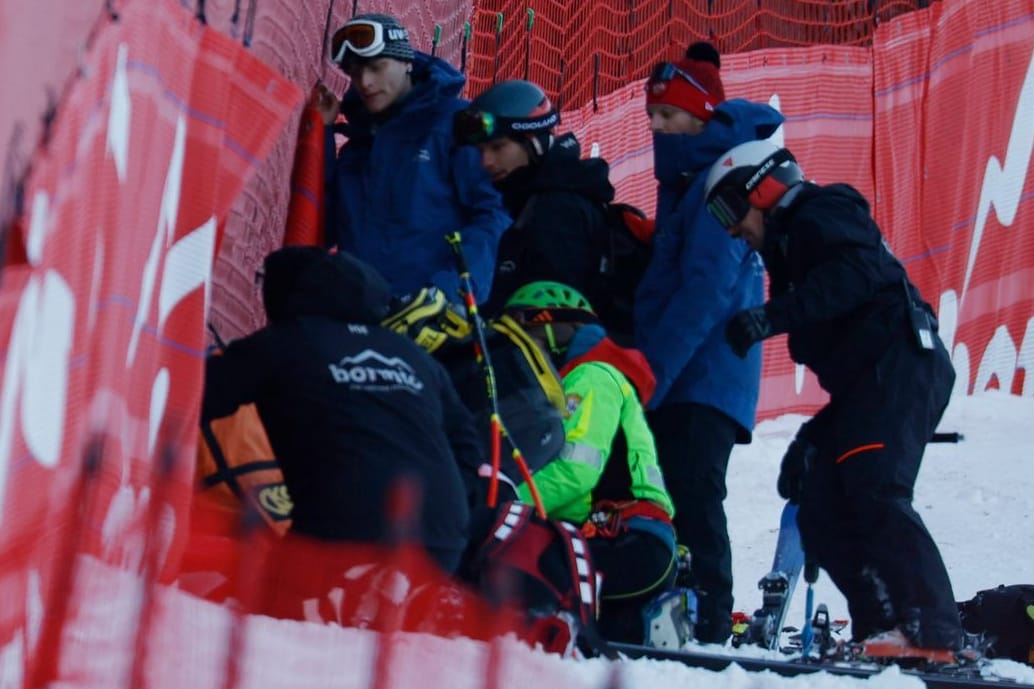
<point>349,408</point>
<point>835,286</point>
<point>559,208</point>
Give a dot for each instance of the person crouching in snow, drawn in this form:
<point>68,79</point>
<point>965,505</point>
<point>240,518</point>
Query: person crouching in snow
<point>606,478</point>
<point>350,407</point>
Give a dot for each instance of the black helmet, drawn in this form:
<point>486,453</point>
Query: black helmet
<point>517,109</point>
<point>756,173</point>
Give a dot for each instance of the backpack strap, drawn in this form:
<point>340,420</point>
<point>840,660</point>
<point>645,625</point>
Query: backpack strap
<point>508,523</point>
<point>513,520</point>
<point>583,574</point>
<point>547,376</point>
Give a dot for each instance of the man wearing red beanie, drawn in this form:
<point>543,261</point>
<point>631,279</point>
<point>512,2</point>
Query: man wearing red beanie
<point>697,91</point>
<point>698,279</point>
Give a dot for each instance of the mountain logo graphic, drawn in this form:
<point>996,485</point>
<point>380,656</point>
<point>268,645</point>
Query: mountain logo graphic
<point>372,371</point>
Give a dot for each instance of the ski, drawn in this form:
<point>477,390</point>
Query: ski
<point>777,587</point>
<point>955,677</point>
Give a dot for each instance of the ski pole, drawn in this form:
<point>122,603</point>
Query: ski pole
<point>811,575</point>
<point>463,47</point>
<point>498,43</point>
<point>436,39</point>
<point>498,429</point>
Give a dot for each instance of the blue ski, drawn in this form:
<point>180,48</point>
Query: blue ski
<point>777,586</point>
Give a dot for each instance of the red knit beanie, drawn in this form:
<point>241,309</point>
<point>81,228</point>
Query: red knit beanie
<point>699,99</point>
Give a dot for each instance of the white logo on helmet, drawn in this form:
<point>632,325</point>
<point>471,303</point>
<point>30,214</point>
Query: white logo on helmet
<point>538,124</point>
<point>762,171</point>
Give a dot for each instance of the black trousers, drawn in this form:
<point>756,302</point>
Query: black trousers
<point>694,442</point>
<point>636,567</point>
<point>856,516</point>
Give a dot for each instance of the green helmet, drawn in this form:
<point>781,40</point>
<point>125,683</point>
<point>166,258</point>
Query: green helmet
<point>545,301</point>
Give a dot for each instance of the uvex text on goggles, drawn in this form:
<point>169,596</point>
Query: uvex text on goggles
<point>364,38</point>
<point>477,126</point>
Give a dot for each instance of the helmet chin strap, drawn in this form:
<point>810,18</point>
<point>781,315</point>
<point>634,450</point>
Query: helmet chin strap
<point>554,348</point>
<point>537,145</point>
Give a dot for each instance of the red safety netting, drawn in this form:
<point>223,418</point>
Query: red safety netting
<point>954,134</point>
<point>103,320</point>
<point>581,51</point>
<point>576,50</point>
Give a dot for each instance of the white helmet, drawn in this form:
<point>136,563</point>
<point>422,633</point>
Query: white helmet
<point>756,174</point>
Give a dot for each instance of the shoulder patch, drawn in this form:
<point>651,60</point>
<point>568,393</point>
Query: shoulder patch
<point>573,402</point>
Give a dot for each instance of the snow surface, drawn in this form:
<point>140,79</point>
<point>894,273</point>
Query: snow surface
<point>976,497</point>
<point>973,496</point>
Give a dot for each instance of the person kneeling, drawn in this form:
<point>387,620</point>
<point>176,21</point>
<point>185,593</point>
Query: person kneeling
<point>622,506</point>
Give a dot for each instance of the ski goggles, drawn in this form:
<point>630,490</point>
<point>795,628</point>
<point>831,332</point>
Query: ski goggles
<point>728,205</point>
<point>663,72</point>
<point>760,186</point>
<point>474,127</point>
<point>471,126</point>
<point>364,38</point>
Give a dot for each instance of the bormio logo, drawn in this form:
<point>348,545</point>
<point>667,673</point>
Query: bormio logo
<point>370,370</point>
<point>275,500</point>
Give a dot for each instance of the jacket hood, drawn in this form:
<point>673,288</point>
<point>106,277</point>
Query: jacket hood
<point>680,157</point>
<point>435,82</point>
<point>302,281</point>
<point>561,169</point>
<point>590,343</point>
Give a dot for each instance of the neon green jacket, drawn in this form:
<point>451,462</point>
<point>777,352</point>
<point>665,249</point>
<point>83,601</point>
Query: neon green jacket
<point>599,400</point>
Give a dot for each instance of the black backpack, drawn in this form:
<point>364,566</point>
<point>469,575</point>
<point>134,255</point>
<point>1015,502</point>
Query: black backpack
<point>1004,619</point>
<point>530,394</point>
<point>623,257</point>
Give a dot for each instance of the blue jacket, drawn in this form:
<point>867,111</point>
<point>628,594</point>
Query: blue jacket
<point>399,186</point>
<point>699,277</point>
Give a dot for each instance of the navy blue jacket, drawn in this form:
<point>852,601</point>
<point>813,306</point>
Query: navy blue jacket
<point>834,284</point>
<point>559,210</point>
<point>399,186</point>
<point>350,408</point>
<point>699,277</point>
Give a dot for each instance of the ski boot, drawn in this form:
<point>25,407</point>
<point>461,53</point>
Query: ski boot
<point>669,619</point>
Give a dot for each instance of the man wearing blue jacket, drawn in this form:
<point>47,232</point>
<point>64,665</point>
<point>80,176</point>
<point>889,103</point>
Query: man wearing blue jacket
<point>398,185</point>
<point>697,280</point>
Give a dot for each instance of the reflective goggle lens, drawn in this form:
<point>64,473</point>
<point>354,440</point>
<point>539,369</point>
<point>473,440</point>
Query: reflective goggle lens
<point>728,209</point>
<point>663,72</point>
<point>362,38</point>
<point>473,126</point>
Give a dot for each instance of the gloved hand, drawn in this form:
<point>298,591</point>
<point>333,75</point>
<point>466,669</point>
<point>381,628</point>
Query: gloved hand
<point>747,327</point>
<point>797,461</point>
<point>426,317</point>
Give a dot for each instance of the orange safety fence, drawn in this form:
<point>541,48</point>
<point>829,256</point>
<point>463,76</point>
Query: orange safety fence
<point>171,127</point>
<point>582,51</point>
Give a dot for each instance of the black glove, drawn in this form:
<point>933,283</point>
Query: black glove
<point>798,459</point>
<point>746,328</point>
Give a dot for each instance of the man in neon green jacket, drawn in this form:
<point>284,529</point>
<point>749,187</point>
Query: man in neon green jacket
<point>623,507</point>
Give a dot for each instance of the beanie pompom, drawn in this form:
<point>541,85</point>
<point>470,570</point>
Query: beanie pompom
<point>698,90</point>
<point>704,52</point>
